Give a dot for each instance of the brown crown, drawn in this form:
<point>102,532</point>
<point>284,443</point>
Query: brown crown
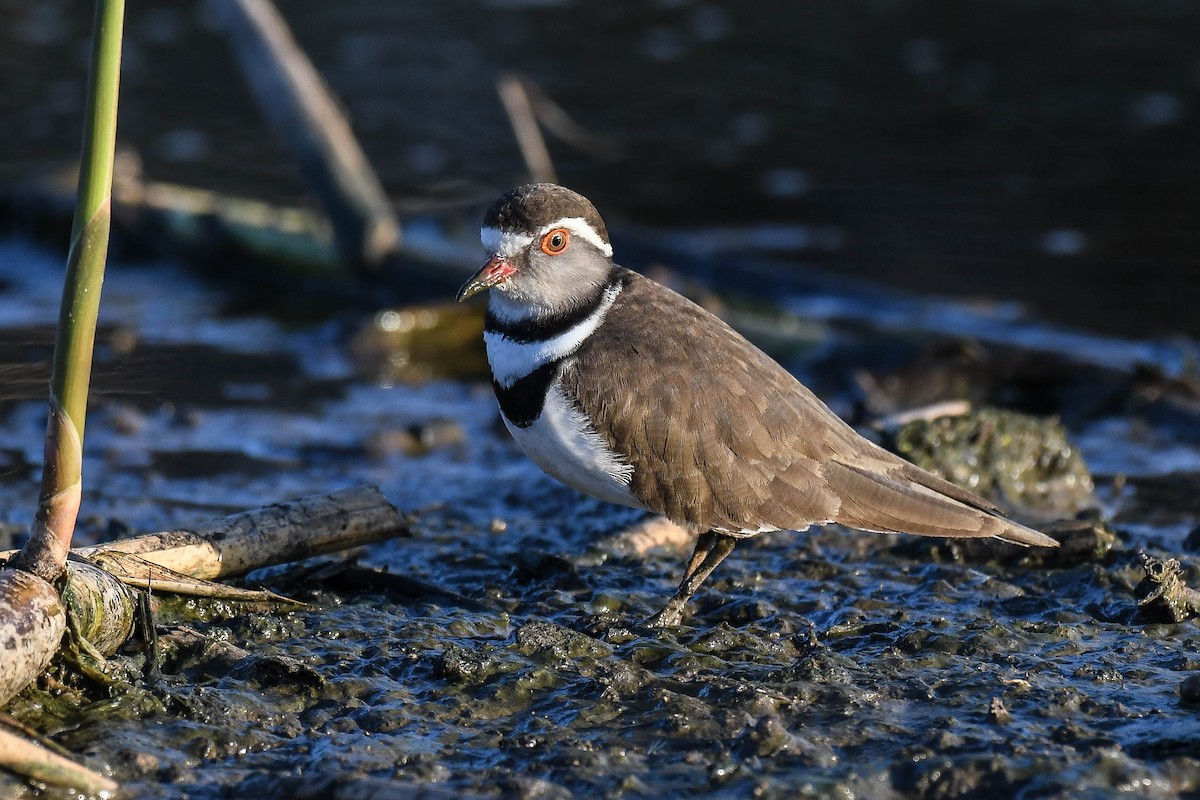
<point>529,208</point>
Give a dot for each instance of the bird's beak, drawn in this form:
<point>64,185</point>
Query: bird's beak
<point>494,272</point>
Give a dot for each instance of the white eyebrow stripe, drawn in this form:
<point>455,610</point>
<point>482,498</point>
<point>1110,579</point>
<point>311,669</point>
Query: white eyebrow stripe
<point>507,244</point>
<point>581,228</point>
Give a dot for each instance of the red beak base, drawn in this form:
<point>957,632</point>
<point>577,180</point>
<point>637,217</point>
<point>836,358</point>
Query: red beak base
<point>495,271</point>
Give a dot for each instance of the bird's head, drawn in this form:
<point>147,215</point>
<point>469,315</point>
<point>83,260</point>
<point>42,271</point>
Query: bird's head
<point>548,250</point>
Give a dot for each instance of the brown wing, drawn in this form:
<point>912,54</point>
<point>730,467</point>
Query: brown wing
<point>720,436</point>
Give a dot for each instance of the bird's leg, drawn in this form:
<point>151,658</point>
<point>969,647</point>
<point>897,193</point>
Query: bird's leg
<point>704,546</point>
<point>711,550</point>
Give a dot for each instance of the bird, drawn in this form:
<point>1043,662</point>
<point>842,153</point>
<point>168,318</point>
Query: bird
<point>627,391</point>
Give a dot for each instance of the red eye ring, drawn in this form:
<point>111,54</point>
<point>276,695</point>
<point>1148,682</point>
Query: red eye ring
<point>556,241</point>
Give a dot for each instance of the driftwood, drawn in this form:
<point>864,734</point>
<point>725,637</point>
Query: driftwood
<point>100,610</point>
<point>436,246</point>
<point>267,536</point>
<point>40,764</point>
<point>529,109</point>
<point>134,571</point>
<point>555,119</point>
<point>946,408</point>
<point>32,623</point>
<point>263,537</point>
<point>180,561</point>
<point>305,115</point>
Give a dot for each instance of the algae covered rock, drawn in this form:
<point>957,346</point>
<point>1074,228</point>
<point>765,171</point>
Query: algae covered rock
<point>1023,462</point>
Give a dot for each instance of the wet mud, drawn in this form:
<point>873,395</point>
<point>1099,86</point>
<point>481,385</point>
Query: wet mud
<point>496,652</point>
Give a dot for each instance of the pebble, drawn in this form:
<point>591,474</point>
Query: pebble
<point>1189,690</point>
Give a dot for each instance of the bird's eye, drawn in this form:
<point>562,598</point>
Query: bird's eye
<point>555,241</point>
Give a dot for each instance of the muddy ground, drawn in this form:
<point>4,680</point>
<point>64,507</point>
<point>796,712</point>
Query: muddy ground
<point>499,656</point>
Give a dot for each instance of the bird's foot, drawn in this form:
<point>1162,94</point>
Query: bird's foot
<point>711,549</point>
<point>668,616</point>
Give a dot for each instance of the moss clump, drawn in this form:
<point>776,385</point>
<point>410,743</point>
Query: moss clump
<point>1023,462</point>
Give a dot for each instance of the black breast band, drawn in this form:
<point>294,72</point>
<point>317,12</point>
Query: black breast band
<point>522,402</point>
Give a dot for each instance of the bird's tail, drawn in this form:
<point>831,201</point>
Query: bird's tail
<point>903,498</point>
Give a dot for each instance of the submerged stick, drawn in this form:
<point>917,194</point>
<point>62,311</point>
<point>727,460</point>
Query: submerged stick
<point>268,238</point>
<point>558,122</point>
<point>525,128</point>
<point>302,110</point>
<point>134,572</point>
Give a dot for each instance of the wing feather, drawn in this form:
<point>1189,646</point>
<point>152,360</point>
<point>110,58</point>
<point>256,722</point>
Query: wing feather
<point>720,436</point>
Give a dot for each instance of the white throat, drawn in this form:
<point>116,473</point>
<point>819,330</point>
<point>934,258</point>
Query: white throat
<point>511,360</point>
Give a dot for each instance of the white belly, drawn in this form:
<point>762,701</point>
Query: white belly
<point>563,443</point>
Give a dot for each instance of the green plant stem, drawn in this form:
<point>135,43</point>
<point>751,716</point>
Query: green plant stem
<point>58,506</point>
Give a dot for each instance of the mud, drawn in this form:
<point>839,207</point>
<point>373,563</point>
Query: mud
<point>496,653</point>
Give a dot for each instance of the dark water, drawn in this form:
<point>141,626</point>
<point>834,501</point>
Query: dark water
<point>1029,151</point>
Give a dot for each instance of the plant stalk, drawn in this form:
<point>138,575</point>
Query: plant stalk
<point>58,504</point>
